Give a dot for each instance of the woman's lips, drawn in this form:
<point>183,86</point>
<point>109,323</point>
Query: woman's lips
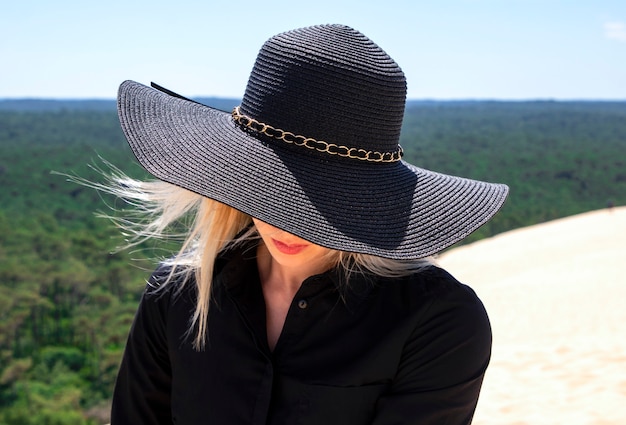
<point>289,249</point>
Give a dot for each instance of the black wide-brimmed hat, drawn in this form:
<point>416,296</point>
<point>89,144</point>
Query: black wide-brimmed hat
<point>312,149</point>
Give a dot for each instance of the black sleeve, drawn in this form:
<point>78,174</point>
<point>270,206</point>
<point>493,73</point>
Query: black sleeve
<point>442,366</point>
<point>143,385</point>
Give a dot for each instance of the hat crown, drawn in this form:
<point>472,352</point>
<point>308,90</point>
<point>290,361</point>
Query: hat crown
<point>330,83</point>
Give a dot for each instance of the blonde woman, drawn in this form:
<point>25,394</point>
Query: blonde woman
<point>303,293</point>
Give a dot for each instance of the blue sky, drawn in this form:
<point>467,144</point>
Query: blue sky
<point>448,49</point>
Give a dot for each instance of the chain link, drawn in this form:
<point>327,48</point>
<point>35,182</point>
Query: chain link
<point>318,145</point>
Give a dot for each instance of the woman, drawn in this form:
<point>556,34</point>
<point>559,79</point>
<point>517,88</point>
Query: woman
<point>302,294</point>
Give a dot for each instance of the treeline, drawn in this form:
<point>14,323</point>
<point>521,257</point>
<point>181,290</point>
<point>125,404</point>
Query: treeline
<point>55,105</point>
<point>67,300</point>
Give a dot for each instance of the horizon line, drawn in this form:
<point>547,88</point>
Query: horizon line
<point>425,99</point>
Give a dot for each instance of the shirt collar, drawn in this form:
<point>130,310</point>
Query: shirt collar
<point>236,270</point>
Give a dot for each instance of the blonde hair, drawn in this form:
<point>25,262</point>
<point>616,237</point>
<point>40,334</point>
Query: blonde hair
<point>206,227</point>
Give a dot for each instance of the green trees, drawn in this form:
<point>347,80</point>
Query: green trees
<point>66,301</point>
<point>66,305</point>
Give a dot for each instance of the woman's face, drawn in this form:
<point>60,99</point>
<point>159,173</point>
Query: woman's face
<point>291,251</point>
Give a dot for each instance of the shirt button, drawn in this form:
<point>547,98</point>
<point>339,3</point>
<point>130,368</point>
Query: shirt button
<point>302,304</point>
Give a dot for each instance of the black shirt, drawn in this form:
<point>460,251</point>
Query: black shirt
<point>380,351</point>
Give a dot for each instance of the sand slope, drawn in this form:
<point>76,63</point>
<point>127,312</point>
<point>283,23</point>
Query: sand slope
<point>556,296</point>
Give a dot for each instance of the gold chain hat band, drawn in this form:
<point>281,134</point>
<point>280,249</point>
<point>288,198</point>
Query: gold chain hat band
<point>318,145</point>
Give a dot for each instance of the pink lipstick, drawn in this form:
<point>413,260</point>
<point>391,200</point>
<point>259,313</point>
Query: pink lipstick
<point>289,249</point>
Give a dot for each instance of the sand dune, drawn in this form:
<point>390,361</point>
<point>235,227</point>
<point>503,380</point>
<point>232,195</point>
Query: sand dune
<point>556,296</point>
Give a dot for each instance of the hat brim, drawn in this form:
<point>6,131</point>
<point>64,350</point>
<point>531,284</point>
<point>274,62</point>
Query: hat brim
<point>393,210</point>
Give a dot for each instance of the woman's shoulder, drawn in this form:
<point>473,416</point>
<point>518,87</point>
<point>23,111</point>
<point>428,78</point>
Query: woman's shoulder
<point>431,280</point>
<point>434,290</point>
<point>168,279</point>
<point>445,289</point>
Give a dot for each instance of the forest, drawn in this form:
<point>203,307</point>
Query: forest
<point>68,296</point>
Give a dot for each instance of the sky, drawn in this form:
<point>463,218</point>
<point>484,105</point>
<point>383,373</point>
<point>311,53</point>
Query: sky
<point>448,49</point>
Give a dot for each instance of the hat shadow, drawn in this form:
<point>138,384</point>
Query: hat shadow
<point>369,203</point>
